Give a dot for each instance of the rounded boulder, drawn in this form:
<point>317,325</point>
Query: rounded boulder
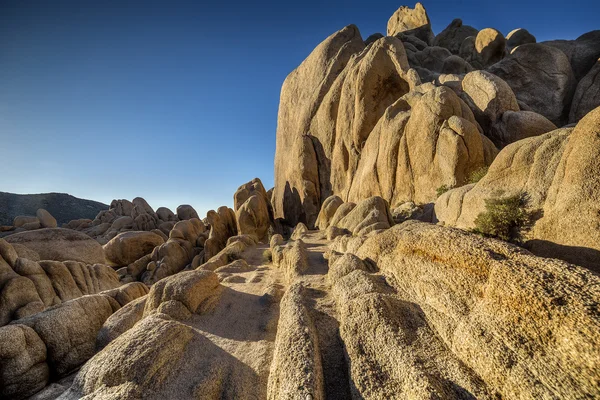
<point>127,247</point>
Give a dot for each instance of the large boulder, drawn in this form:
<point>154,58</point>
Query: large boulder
<point>541,78</point>
<point>587,94</point>
<point>488,96</point>
<point>185,291</point>
<point>439,145</point>
<point>60,245</point>
<point>328,209</point>
<point>185,211</point>
<point>411,21</point>
<point>252,209</point>
<point>486,307</point>
<point>69,279</point>
<point>372,83</point>
<point>299,183</point>
<point>222,226</point>
<point>452,37</point>
<point>369,215</point>
<point>69,330</point>
<point>582,52</point>
<point>517,37</point>
<point>490,47</point>
<point>23,367</point>
<point>559,171</point>
<point>21,220</point>
<point>127,247</point>
<point>127,367</point>
<point>18,295</point>
<point>46,219</point>
<point>165,214</point>
<point>516,125</point>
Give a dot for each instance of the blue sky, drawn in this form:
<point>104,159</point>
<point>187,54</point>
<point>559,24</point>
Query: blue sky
<point>176,101</point>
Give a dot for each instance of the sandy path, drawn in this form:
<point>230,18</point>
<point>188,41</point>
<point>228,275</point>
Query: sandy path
<point>243,325</point>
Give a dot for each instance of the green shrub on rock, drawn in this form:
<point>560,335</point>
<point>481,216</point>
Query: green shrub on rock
<point>505,218</point>
<point>476,175</point>
<point>442,189</point>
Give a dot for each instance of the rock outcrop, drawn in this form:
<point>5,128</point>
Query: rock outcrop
<point>60,245</point>
<point>411,22</point>
<point>482,299</point>
<point>28,287</point>
<point>587,94</point>
<point>296,353</point>
<point>353,149</point>
<point>559,173</point>
<point>185,242</point>
<point>127,247</point>
<point>253,210</point>
<point>541,78</point>
<point>453,36</point>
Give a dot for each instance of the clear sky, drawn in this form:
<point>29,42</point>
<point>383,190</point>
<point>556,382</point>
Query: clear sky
<point>176,101</point>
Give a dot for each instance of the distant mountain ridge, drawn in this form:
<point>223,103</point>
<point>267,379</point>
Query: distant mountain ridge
<point>62,206</point>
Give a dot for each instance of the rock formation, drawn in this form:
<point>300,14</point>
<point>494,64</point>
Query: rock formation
<point>351,113</point>
<point>393,148</point>
<point>559,172</point>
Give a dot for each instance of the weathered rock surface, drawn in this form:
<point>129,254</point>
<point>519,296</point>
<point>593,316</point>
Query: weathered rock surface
<point>297,184</point>
<point>185,242</point>
<point>517,37</point>
<point>452,37</point>
<point>185,211</point>
<point>46,219</point>
<point>587,94</point>
<point>516,125</point>
<point>252,210</point>
<point>541,78</point>
<point>296,370</point>
<point>328,210</point>
<point>124,368</point>
<point>490,47</point>
<point>223,225</point>
<point>292,259</point>
<point>559,172</point>
<point>60,245</point>
<point>127,247</point>
<point>412,22</point>
<point>582,52</point>
<point>483,299</point>
<point>23,367</point>
<point>69,330</point>
<point>488,96</point>
<point>368,215</point>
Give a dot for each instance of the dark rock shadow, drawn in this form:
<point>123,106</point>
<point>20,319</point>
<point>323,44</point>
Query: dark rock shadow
<point>579,255</point>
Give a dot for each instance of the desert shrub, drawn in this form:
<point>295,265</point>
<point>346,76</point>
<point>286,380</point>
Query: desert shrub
<point>442,189</point>
<point>505,218</point>
<point>267,255</point>
<point>476,175</point>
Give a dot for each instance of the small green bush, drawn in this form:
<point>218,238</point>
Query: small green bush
<point>442,189</point>
<point>267,255</point>
<point>505,218</point>
<point>476,175</point>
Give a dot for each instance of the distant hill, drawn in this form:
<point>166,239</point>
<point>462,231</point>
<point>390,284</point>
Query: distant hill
<point>62,206</point>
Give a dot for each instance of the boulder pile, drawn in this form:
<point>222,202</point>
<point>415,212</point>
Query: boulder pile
<point>402,115</point>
